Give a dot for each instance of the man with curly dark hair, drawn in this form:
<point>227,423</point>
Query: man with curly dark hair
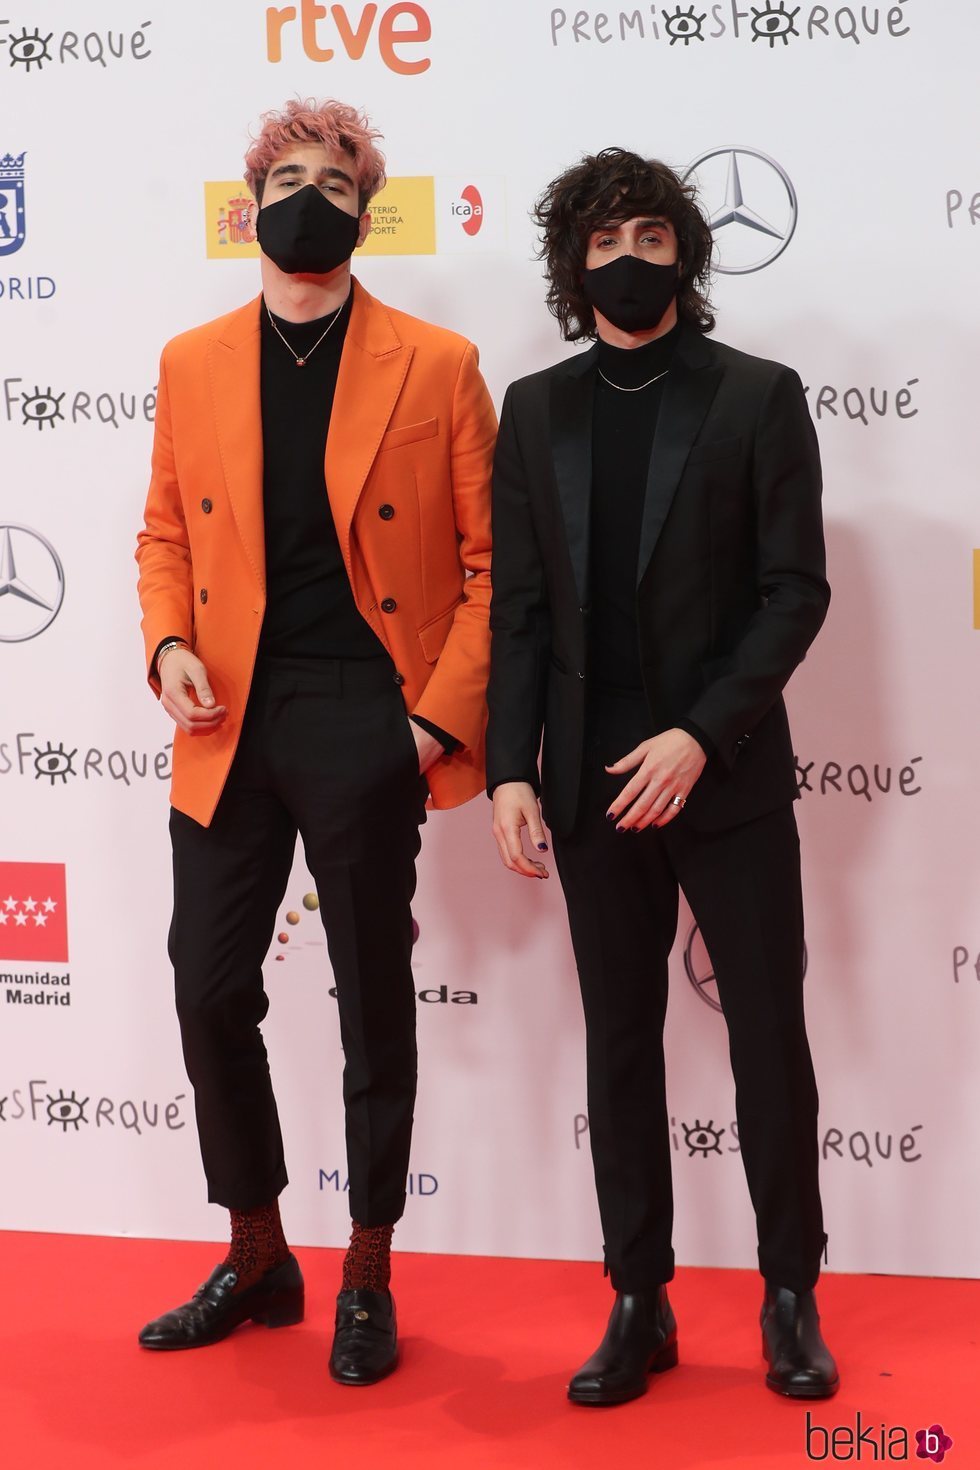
<point>658,575</point>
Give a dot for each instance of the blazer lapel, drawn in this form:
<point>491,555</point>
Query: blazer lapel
<point>233,372</point>
<point>690,387</point>
<point>572,392</point>
<point>373,367</point>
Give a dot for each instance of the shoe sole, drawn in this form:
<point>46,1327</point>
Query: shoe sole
<point>666,1359</point>
<point>816,1391</point>
<point>287,1311</point>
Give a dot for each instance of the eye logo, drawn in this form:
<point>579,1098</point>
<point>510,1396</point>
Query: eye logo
<point>684,25</point>
<point>67,1110</point>
<point>54,762</point>
<point>42,408</point>
<point>29,49</point>
<point>703,1138</point>
<point>31,578</point>
<point>773,24</point>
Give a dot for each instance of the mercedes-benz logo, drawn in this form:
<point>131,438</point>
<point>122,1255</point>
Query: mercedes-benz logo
<point>700,971</point>
<point>747,238</point>
<point>32,583</point>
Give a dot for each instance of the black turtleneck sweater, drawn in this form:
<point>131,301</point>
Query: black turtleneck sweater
<point>623,425</point>
<point>310,609</point>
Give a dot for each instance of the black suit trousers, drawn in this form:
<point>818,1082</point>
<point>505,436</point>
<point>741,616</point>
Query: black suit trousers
<point>743,885</point>
<point>326,751</point>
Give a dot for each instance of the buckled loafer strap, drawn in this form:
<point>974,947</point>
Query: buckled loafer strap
<point>215,1309</point>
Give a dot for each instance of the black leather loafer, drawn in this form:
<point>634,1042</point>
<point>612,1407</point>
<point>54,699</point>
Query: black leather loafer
<point>276,1300</point>
<point>641,1339</point>
<point>800,1363</point>
<point>365,1342</point>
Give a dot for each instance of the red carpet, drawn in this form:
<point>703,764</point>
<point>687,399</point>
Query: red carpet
<point>487,1347</point>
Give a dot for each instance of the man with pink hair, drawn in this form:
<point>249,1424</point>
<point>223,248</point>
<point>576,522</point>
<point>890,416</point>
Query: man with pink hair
<point>325,679</point>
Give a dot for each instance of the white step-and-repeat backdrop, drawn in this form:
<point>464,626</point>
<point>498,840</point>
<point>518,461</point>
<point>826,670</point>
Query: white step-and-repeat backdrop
<point>835,149</point>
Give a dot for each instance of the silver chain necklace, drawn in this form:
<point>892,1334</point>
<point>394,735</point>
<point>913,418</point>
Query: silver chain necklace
<point>302,361</point>
<point>620,389</point>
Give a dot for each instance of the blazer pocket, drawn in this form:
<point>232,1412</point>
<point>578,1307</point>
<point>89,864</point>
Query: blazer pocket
<point>433,635</point>
<point>409,433</point>
<point>715,449</point>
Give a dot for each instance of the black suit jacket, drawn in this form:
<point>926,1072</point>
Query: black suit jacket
<point>731,588</point>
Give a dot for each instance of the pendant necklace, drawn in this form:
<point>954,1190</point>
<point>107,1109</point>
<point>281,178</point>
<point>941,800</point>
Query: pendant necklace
<point>302,361</point>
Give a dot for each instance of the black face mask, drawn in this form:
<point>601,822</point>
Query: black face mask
<point>631,293</point>
<point>306,234</point>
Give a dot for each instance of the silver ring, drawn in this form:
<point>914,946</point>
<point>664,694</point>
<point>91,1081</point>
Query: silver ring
<point>678,801</point>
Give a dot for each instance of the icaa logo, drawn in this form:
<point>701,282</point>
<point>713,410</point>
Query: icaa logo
<point>469,209</point>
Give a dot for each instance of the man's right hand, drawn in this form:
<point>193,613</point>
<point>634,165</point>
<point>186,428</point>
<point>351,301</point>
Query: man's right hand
<point>515,807</point>
<point>186,694</point>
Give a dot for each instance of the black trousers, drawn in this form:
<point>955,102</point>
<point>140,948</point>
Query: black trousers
<point>743,886</point>
<point>327,751</point>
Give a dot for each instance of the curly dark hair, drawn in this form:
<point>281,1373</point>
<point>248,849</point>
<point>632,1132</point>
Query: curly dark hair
<point>607,188</point>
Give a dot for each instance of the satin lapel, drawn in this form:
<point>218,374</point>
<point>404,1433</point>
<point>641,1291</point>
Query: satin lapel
<point>233,372</point>
<point>572,393</point>
<point>690,387</point>
<point>373,367</point>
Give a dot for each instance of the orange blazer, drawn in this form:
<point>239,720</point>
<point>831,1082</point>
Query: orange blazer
<point>412,427</point>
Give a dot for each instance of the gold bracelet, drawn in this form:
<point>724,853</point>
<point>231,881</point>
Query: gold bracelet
<point>169,648</point>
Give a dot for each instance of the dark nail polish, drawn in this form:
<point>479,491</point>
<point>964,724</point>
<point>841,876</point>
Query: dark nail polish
<point>542,847</point>
<point>620,829</point>
<point>610,816</point>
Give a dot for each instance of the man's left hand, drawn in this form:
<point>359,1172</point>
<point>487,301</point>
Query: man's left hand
<point>666,766</point>
<point>429,748</point>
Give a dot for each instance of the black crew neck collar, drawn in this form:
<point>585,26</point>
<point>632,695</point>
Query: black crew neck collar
<point>630,366</point>
<point>301,330</point>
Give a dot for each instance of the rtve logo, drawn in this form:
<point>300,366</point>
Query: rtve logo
<point>353,35</point>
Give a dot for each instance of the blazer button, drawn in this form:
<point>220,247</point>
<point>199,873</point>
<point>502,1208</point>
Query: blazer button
<point>206,507</point>
<point>399,678</point>
<point>388,605</point>
<point>204,594</point>
<point>386,512</point>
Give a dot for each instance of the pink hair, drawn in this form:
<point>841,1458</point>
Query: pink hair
<point>307,121</point>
